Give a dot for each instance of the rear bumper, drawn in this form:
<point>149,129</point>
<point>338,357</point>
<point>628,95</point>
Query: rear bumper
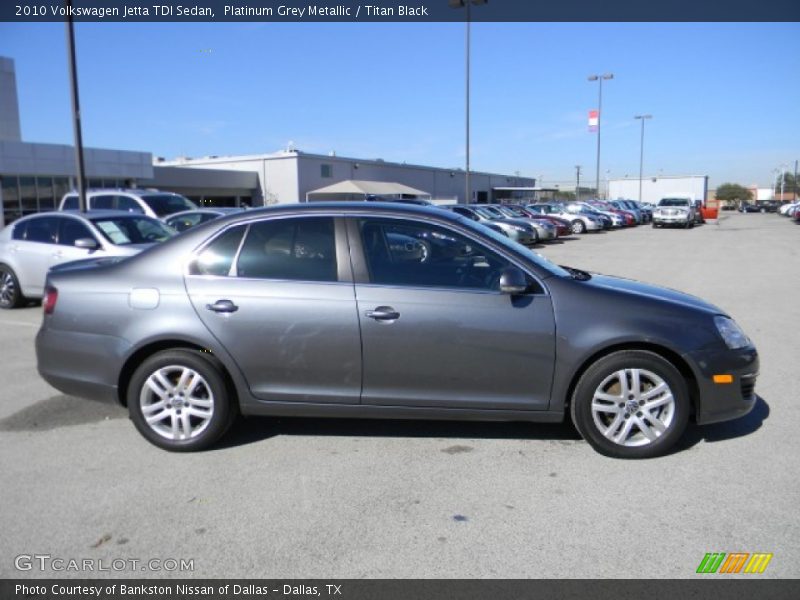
<point>80,364</point>
<point>725,401</point>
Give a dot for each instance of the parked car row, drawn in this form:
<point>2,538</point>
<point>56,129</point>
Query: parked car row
<point>791,210</point>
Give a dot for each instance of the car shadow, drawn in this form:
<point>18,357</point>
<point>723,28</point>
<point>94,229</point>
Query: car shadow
<point>61,411</point>
<point>719,432</point>
<point>255,429</point>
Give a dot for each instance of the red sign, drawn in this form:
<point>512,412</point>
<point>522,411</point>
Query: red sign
<point>594,119</point>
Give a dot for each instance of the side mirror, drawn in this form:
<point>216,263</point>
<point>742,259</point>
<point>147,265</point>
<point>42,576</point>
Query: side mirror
<point>86,243</point>
<point>513,281</point>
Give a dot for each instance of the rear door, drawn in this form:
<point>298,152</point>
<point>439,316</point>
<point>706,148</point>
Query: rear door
<point>278,295</point>
<point>35,253</point>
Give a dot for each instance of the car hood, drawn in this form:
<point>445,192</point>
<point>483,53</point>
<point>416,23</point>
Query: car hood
<point>637,288</point>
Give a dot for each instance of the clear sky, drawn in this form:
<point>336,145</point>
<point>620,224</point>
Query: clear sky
<point>725,98</point>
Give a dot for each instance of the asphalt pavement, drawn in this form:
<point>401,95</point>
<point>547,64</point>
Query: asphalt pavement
<point>286,498</point>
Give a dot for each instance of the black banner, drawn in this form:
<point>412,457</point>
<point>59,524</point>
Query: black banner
<point>414,11</point>
<point>393,589</point>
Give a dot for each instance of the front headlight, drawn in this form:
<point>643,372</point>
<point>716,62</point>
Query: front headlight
<point>517,228</point>
<point>732,334</point>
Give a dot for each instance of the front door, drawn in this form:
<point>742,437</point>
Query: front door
<point>436,330</point>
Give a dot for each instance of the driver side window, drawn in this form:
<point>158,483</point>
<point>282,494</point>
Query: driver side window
<point>414,254</point>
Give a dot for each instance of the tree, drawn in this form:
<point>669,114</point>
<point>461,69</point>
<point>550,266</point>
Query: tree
<point>731,192</point>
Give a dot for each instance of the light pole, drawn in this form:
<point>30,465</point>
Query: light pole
<point>599,79</point>
<point>76,110</point>
<point>642,118</point>
<point>783,179</point>
<point>577,183</point>
<point>460,4</point>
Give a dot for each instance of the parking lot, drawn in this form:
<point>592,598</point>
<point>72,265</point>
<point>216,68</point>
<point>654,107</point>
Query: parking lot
<point>282,498</point>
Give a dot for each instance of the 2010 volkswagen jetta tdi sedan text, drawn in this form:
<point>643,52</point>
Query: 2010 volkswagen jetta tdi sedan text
<point>386,310</point>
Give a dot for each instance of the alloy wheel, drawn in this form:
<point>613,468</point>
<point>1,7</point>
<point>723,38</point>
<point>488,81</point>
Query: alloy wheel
<point>633,407</point>
<point>177,402</point>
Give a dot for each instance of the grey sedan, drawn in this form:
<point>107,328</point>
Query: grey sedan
<point>32,245</point>
<point>310,310</point>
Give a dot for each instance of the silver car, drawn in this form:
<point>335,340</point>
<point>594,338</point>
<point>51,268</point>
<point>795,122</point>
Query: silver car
<point>186,219</point>
<point>32,245</point>
<point>324,310</point>
<point>545,230</point>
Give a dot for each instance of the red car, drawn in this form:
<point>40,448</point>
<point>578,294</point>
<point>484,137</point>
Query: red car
<point>562,225</point>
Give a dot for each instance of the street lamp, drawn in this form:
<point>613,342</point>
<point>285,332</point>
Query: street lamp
<point>642,118</point>
<point>460,4</point>
<point>599,79</point>
<point>577,183</point>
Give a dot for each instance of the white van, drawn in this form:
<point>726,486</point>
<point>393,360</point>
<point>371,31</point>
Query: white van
<point>153,203</point>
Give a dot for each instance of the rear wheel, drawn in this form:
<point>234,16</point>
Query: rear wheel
<point>10,292</point>
<point>178,400</point>
<point>578,226</point>
<point>631,404</point>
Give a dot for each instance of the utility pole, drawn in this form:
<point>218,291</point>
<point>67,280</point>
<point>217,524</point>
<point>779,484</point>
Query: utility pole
<point>467,4</point>
<point>795,180</point>
<point>599,79</point>
<point>76,110</point>
<point>577,182</point>
<point>642,118</point>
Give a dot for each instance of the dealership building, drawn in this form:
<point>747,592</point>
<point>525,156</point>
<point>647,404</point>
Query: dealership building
<point>34,176</point>
<point>663,186</point>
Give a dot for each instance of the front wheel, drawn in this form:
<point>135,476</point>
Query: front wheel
<point>178,400</point>
<point>578,226</point>
<point>631,404</point>
<point>10,292</point>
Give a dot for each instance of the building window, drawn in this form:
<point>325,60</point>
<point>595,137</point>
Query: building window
<point>326,171</point>
<point>11,208</point>
<point>46,199</point>
<point>27,190</point>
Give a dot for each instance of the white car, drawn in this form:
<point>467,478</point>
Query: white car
<point>32,245</point>
<point>579,223</point>
<point>785,209</point>
<point>153,203</point>
<point>674,212</point>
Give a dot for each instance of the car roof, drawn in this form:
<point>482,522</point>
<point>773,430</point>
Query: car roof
<point>100,213</point>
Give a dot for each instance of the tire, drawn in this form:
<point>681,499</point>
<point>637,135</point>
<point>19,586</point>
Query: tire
<point>654,225</point>
<point>578,226</point>
<point>691,225</point>
<point>639,423</point>
<point>199,409</point>
<point>10,292</point>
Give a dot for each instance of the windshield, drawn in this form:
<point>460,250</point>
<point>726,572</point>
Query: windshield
<point>124,231</point>
<point>673,202</point>
<point>166,204</point>
<point>486,213</point>
<point>516,248</point>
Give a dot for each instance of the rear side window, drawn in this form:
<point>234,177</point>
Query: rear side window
<point>217,258</point>
<point>20,229</point>
<point>104,202</point>
<point>129,204</point>
<point>300,249</point>
<point>43,230</point>
<point>70,203</point>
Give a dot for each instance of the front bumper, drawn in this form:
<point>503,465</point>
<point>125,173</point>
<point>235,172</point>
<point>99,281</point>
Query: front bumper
<point>527,238</point>
<point>725,401</point>
<point>679,219</point>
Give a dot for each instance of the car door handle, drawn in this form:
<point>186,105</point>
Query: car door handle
<point>222,306</point>
<point>383,313</point>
